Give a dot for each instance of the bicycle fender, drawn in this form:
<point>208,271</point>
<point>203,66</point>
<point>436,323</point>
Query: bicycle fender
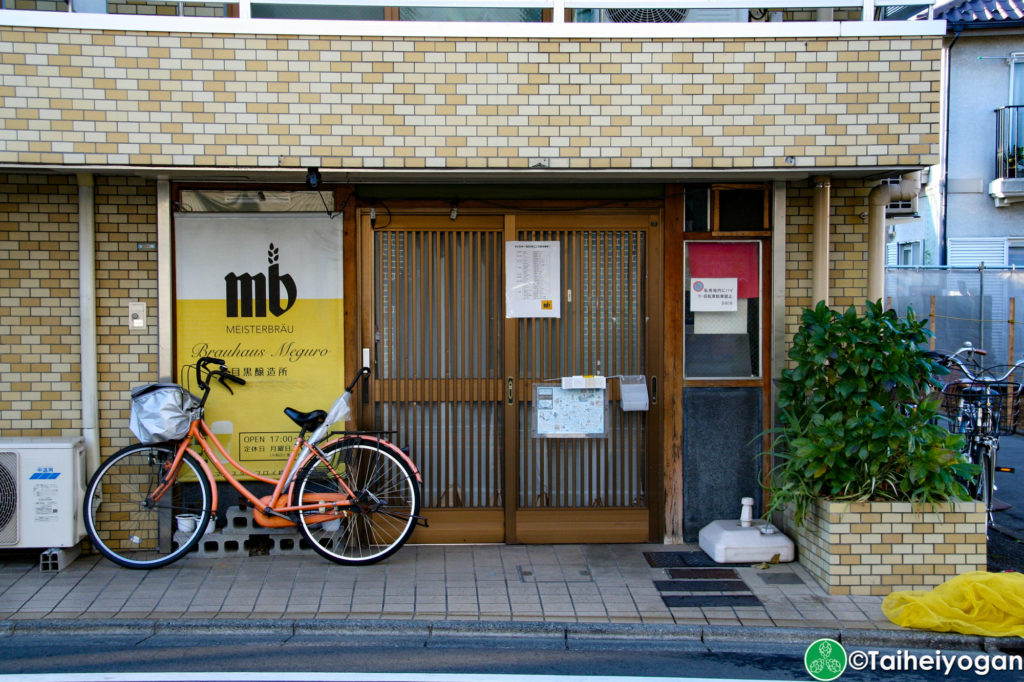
<point>387,445</point>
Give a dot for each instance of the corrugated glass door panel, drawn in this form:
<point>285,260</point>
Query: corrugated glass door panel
<point>438,337</point>
<point>602,330</point>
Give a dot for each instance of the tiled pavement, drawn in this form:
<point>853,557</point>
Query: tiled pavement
<point>536,583</point>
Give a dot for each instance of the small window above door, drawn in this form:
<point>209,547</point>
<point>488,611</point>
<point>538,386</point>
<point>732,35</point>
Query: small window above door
<point>728,208</point>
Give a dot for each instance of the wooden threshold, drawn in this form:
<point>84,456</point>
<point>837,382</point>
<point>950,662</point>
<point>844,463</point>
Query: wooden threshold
<point>571,526</point>
<point>448,526</point>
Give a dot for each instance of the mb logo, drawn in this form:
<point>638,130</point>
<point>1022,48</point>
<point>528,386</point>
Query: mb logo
<point>251,295</point>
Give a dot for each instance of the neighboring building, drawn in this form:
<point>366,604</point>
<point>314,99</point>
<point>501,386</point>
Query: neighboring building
<point>302,196</point>
<point>977,191</point>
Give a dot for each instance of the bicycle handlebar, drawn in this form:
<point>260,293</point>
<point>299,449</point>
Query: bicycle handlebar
<point>222,375</point>
<point>951,358</point>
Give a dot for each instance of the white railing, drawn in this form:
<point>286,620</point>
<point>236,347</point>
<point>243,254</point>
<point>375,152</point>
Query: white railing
<point>558,7</point>
<point>701,23</point>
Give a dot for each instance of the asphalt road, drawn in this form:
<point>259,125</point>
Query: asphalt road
<point>213,658</point>
<point>1006,537</point>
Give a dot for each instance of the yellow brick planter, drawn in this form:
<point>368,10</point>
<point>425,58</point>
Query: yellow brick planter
<point>874,548</point>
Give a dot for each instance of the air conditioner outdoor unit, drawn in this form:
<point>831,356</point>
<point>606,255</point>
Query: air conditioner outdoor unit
<point>42,485</point>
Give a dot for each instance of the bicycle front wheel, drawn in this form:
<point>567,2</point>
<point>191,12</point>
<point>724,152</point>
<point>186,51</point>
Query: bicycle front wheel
<point>129,527</point>
<point>374,524</point>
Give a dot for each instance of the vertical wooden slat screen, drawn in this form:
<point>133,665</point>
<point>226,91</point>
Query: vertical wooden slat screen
<point>438,335</point>
<point>601,330</point>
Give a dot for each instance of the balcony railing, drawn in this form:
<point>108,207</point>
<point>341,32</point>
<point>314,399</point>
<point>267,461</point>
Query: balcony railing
<point>514,11</point>
<point>1010,142</point>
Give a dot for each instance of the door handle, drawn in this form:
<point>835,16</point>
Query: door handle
<point>654,390</point>
<point>511,391</point>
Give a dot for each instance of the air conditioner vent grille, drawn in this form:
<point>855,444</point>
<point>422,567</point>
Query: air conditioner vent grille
<point>647,16</point>
<point>8,498</point>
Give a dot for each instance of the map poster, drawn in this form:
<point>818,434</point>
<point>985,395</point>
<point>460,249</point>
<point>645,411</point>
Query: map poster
<point>569,412</point>
<point>262,291</point>
<point>532,279</point>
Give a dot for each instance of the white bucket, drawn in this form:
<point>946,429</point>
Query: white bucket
<point>187,522</point>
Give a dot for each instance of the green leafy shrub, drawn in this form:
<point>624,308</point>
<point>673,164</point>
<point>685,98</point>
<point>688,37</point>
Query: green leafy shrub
<point>857,415</point>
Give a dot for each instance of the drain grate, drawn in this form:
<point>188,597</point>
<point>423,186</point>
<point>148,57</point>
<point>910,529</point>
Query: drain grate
<point>703,600</point>
<point>703,574</point>
<point>679,559</point>
<point>697,581</point>
<point>701,586</point>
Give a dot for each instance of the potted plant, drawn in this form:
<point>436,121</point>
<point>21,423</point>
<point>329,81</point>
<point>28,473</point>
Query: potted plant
<point>868,481</point>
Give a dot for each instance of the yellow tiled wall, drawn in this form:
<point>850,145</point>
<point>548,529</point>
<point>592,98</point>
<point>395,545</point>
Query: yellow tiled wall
<point>99,99</point>
<point>873,548</point>
<point>125,220</point>
<point>89,97</point>
<point>39,337</point>
<point>40,370</point>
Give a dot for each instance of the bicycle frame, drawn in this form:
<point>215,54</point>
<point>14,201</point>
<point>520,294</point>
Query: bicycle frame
<point>275,508</point>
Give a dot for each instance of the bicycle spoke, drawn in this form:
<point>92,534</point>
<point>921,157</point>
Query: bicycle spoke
<point>125,526</point>
<point>383,511</point>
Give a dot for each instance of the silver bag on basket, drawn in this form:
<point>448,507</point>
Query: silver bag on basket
<point>161,412</point>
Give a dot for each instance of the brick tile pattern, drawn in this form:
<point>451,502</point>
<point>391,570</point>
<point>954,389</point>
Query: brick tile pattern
<point>848,259</point>
<point>39,311</point>
<point>89,97</point>
<point>125,218</point>
<point>874,548</point>
<point>40,371</point>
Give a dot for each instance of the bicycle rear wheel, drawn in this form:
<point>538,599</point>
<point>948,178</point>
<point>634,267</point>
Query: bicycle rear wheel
<point>130,529</point>
<point>379,520</point>
<point>981,486</point>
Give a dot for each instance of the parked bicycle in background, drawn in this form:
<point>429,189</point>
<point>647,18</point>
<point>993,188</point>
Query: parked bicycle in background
<point>981,403</point>
<point>356,499</point>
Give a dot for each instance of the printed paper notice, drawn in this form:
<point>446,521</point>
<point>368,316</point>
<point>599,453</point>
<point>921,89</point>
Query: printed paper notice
<point>532,279</point>
<point>713,294</point>
<point>568,413</point>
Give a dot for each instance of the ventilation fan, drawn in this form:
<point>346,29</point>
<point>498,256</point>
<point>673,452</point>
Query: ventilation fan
<point>647,16</point>
<point>8,499</point>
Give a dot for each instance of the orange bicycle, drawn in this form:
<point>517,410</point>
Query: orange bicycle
<point>356,499</point>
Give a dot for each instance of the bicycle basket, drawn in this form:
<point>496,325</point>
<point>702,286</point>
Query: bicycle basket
<point>162,412</point>
<point>1002,398</point>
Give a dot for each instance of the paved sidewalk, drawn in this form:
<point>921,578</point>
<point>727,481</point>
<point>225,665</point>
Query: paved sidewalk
<point>554,590</point>
<point>548,583</point>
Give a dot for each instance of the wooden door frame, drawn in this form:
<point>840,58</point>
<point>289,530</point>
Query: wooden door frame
<point>772,239</point>
<point>613,524</point>
<point>359,334</point>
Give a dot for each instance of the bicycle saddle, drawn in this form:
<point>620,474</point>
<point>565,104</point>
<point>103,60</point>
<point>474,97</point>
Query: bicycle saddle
<point>307,420</point>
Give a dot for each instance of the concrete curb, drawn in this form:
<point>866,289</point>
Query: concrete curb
<point>454,633</point>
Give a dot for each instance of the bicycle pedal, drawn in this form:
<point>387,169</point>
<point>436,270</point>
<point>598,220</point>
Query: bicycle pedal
<point>1005,470</point>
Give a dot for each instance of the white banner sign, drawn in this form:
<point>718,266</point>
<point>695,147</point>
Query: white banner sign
<point>262,291</point>
<point>713,294</point>
<point>532,279</point>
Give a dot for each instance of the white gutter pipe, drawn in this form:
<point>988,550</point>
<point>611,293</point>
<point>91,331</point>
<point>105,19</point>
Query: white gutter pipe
<point>87,319</point>
<point>820,262</point>
<point>878,199</point>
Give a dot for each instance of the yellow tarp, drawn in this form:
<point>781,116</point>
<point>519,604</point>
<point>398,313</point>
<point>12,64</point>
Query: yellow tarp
<point>976,603</point>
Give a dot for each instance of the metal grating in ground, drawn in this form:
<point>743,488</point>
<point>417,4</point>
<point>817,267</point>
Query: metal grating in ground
<point>679,560</point>
<point>697,581</point>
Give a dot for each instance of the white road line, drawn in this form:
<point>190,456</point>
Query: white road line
<point>336,677</point>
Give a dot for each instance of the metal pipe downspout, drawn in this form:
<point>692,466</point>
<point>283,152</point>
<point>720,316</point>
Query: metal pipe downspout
<point>87,319</point>
<point>944,181</point>
<point>878,199</point>
<point>820,263</point>
<point>165,333</point>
